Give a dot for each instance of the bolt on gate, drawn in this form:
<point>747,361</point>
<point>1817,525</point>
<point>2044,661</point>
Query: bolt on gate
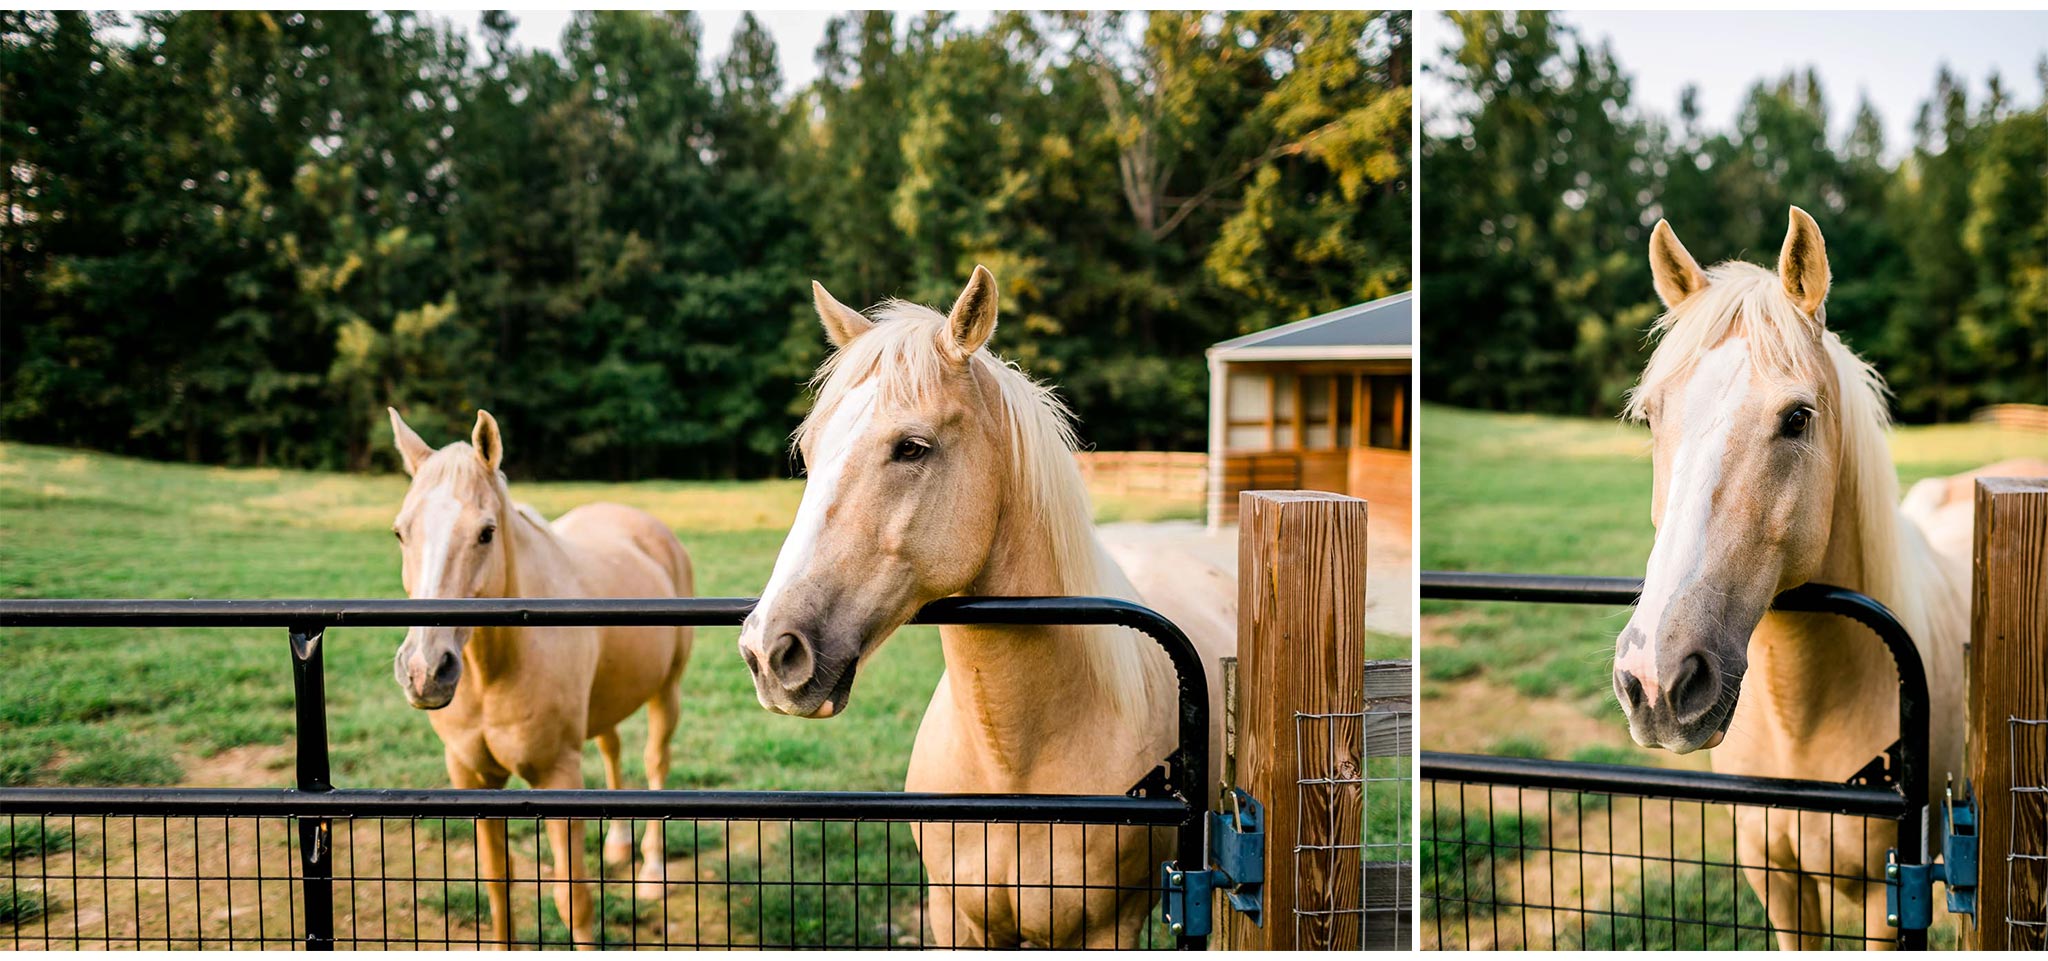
<point>1531,853</point>
<point>328,866</point>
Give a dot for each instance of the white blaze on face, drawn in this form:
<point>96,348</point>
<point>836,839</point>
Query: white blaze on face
<point>1711,401</point>
<point>821,490</point>
<point>438,513</point>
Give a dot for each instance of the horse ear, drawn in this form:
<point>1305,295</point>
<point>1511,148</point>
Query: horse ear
<point>1672,270</point>
<point>412,451</point>
<point>1803,264</point>
<point>974,315</point>
<point>484,437</point>
<point>842,323</point>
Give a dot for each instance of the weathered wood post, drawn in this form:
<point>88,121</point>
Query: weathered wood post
<point>2008,668</point>
<point>1301,697</point>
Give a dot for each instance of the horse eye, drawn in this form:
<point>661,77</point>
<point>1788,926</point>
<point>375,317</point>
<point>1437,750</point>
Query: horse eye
<point>910,450</point>
<point>1796,421</point>
<point>484,537</point>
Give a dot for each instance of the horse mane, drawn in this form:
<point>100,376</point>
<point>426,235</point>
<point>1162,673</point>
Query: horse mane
<point>1750,301</point>
<point>901,354</point>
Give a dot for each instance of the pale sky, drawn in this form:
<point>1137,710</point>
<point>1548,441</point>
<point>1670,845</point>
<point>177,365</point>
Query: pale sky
<point>1890,57</point>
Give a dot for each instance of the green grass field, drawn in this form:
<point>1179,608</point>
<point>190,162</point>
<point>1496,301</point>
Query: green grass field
<point>134,707</point>
<point>205,706</point>
<point>1554,495</point>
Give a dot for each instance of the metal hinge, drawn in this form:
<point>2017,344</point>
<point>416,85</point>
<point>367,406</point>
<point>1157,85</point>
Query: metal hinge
<point>1909,888</point>
<point>1237,867</point>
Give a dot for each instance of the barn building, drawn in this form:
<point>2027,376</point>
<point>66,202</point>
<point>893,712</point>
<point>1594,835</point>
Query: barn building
<point>1320,404</point>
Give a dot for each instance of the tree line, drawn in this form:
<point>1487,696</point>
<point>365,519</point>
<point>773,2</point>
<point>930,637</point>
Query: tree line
<point>1542,181</point>
<point>235,237</point>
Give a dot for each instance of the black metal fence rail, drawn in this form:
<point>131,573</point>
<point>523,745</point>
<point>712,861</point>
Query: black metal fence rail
<point>1622,891</point>
<point>1628,780</point>
<point>320,823</point>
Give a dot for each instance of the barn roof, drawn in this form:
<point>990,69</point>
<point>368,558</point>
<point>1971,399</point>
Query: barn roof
<point>1382,329</point>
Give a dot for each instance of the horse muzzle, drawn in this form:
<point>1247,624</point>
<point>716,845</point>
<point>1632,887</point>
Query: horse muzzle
<point>429,679</point>
<point>794,676</point>
<point>1680,703</point>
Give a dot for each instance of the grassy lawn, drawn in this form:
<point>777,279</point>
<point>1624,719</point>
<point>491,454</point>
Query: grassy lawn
<point>1535,494</point>
<point>214,706</point>
<point>207,706</point>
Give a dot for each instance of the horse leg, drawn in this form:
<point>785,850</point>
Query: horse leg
<point>1790,902</point>
<point>1136,881</point>
<point>572,895</point>
<point>1808,931</point>
<point>938,845</point>
<point>492,854</point>
<point>951,928</point>
<point>662,714</point>
<point>939,911</point>
<point>618,842</point>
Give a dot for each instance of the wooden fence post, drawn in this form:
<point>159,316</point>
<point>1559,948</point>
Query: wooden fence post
<point>2008,669</point>
<point>1301,694</point>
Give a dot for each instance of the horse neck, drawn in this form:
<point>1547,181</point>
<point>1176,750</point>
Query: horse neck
<point>1012,686</point>
<point>1823,673</point>
<point>535,563</point>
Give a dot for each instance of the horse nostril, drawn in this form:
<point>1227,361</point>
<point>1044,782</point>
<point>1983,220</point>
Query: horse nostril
<point>1631,690</point>
<point>1696,689</point>
<point>789,659</point>
<point>446,670</point>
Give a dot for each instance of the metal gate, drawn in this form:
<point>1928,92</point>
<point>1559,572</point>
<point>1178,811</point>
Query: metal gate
<point>325,866</point>
<point>1521,853</point>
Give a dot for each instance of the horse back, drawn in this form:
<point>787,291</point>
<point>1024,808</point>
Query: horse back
<point>626,552</point>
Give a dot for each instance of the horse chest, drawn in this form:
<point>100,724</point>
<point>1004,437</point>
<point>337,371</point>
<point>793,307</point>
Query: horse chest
<point>498,732</point>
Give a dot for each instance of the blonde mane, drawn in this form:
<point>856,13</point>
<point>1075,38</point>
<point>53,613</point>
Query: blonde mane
<point>901,355</point>
<point>1750,301</point>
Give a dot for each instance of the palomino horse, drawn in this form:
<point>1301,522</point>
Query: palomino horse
<point>1771,470</point>
<point>936,469</point>
<point>522,701</point>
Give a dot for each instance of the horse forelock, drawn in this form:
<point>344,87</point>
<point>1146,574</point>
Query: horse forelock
<point>463,471</point>
<point>1740,300</point>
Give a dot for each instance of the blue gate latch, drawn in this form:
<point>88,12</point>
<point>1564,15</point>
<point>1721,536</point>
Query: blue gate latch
<point>1237,867</point>
<point>1909,888</point>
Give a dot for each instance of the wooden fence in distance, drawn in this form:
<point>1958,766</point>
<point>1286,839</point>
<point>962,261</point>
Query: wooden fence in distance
<point>2033,417</point>
<point>1178,475</point>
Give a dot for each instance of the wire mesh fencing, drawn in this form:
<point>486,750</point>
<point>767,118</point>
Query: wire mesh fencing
<point>409,883</point>
<point>1510,866</point>
<point>1352,867</point>
<point>2026,862</point>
